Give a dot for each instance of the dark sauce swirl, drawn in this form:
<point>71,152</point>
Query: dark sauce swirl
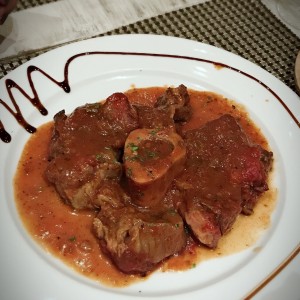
<point>64,85</point>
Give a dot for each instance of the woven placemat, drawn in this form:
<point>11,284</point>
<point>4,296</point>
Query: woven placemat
<point>243,27</point>
<point>23,4</point>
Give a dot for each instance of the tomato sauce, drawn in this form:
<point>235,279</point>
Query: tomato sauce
<point>67,233</point>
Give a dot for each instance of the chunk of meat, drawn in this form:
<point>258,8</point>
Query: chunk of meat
<point>177,101</point>
<point>137,241</point>
<point>171,108</point>
<point>119,118</point>
<point>253,188</point>
<point>222,144</point>
<point>85,148</point>
<point>78,180</point>
<point>94,126</point>
<point>224,175</point>
<point>210,203</point>
<point>152,159</point>
<point>150,117</point>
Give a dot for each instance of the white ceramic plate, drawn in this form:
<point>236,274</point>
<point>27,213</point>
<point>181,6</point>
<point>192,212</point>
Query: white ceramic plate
<point>28,272</point>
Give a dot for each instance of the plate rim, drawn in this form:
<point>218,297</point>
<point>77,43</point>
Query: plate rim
<point>295,251</point>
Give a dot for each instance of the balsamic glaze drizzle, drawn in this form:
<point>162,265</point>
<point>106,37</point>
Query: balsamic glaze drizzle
<point>64,85</point>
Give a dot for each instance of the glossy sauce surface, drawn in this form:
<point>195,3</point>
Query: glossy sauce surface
<point>67,233</point>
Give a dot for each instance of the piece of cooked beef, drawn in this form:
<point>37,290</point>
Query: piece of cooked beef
<point>257,163</point>
<point>177,101</point>
<point>224,175</point>
<point>137,240</point>
<point>85,148</point>
<point>172,107</point>
<point>150,117</point>
<point>209,204</point>
<point>78,179</point>
<point>222,144</point>
<point>152,159</point>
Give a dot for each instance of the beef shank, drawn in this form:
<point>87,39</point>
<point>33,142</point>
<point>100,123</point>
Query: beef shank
<point>85,149</point>
<point>224,176</point>
<point>137,240</point>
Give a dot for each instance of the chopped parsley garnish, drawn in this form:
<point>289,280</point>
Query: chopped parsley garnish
<point>99,156</point>
<point>72,238</point>
<point>151,154</point>
<point>133,147</point>
<point>129,172</point>
<point>172,211</point>
<point>153,132</point>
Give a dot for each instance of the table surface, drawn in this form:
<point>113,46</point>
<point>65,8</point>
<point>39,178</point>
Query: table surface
<point>234,25</point>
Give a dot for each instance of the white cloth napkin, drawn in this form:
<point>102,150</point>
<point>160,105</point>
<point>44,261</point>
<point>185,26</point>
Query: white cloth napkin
<point>68,20</point>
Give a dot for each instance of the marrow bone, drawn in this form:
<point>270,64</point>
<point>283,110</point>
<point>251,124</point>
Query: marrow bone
<point>152,158</point>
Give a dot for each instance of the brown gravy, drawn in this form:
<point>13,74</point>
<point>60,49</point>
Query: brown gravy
<point>67,233</point>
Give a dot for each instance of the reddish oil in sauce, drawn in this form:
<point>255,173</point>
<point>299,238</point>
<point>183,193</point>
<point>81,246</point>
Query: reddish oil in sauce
<point>67,233</point>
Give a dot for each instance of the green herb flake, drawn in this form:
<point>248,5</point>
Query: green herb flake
<point>129,172</point>
<point>136,157</point>
<point>172,211</point>
<point>99,156</point>
<point>72,238</point>
<point>151,154</point>
<point>133,147</point>
<point>153,132</point>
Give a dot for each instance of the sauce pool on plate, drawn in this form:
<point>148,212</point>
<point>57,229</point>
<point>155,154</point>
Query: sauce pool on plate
<point>67,233</point>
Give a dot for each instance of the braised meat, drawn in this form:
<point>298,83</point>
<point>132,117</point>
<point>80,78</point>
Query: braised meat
<point>177,101</point>
<point>222,144</point>
<point>85,165</point>
<point>137,240</point>
<point>150,117</point>
<point>209,203</point>
<point>148,182</point>
<point>172,107</point>
<point>224,175</point>
<point>85,149</point>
